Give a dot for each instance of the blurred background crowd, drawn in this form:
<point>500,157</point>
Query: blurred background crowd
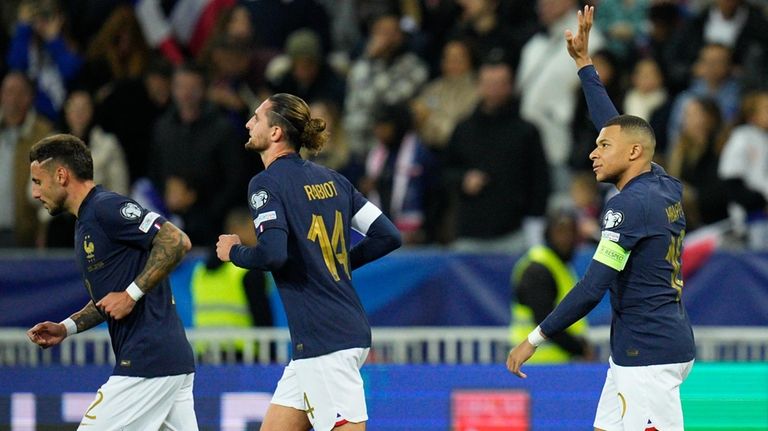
<point>462,119</point>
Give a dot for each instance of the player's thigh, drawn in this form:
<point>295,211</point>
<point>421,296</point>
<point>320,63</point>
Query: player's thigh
<point>610,407</point>
<point>635,388</point>
<point>283,418</point>
<point>286,411</point>
<point>332,388</point>
<point>664,395</point>
<point>182,415</point>
<point>130,403</point>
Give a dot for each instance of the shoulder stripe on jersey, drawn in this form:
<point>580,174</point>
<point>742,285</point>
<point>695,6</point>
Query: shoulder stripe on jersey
<point>611,254</point>
<point>365,217</point>
<point>148,220</point>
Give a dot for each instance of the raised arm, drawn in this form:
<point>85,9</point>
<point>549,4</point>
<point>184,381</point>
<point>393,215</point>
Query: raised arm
<point>47,334</point>
<point>169,246</point>
<point>601,109</point>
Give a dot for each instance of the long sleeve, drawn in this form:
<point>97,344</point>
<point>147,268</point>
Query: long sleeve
<point>537,290</point>
<point>67,61</point>
<point>381,238</point>
<point>581,299</point>
<point>270,254</point>
<point>18,52</point>
<point>600,106</point>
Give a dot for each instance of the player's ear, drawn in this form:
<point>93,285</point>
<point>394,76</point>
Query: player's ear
<point>636,151</point>
<point>276,134</point>
<point>61,175</point>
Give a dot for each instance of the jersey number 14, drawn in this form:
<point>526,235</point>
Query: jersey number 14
<point>334,247</point>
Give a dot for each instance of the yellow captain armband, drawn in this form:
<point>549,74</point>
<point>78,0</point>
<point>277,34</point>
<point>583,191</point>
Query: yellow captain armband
<point>611,254</point>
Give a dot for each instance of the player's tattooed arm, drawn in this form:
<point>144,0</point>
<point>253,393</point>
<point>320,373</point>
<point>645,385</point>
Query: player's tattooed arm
<point>88,317</point>
<point>168,248</point>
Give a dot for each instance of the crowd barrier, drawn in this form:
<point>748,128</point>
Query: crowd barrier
<point>402,345</point>
<point>407,288</point>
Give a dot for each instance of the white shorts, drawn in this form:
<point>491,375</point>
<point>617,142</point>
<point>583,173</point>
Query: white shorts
<point>136,403</point>
<point>329,388</point>
<point>636,398</point>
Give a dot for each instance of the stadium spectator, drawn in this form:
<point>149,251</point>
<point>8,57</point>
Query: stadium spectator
<point>713,78</point>
<point>447,99</point>
<point>225,296</point>
<point>304,71</point>
<point>386,74</point>
<point>273,21</point>
<point>335,153</point>
<point>652,346</point>
<point>191,141</point>
<point>117,52</point>
<point>744,168</point>
<point>130,110</point>
<point>540,280</point>
<point>624,22</point>
<point>737,24</point>
<point>20,128</point>
<point>109,167</point>
<point>695,159</point>
<point>126,254</point>
<point>485,29</point>
<point>294,203</point>
<point>39,49</point>
<point>400,173</point>
<point>648,98</point>
<point>646,93</point>
<point>547,85</point>
<point>495,163</point>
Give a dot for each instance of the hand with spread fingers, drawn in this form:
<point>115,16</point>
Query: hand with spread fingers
<point>578,44</point>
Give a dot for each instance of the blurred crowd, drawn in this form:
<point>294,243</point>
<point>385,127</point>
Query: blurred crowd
<point>462,119</point>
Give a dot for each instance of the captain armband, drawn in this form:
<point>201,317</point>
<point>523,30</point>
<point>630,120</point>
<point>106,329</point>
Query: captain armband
<point>134,292</point>
<point>611,254</point>
<point>70,325</point>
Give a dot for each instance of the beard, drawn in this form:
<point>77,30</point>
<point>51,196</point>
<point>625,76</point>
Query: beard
<point>55,209</point>
<point>256,144</point>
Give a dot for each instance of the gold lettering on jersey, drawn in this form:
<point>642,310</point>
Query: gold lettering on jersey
<point>674,212</point>
<point>324,190</point>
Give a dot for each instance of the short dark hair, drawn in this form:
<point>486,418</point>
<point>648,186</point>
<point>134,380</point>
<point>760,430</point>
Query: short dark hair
<point>66,149</point>
<point>632,124</point>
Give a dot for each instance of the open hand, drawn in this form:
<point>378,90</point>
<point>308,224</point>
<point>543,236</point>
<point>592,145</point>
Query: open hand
<point>47,334</point>
<point>578,44</point>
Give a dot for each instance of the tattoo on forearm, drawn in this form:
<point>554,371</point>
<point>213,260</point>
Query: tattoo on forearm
<point>88,317</point>
<point>167,251</point>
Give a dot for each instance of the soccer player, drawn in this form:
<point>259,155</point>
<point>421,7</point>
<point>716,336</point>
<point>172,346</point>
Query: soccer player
<point>303,214</point>
<point>638,261</point>
<point>125,254</point>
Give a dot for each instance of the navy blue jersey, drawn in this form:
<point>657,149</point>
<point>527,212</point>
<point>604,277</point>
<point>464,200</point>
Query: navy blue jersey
<point>113,237</point>
<point>315,206</point>
<point>650,324</point>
